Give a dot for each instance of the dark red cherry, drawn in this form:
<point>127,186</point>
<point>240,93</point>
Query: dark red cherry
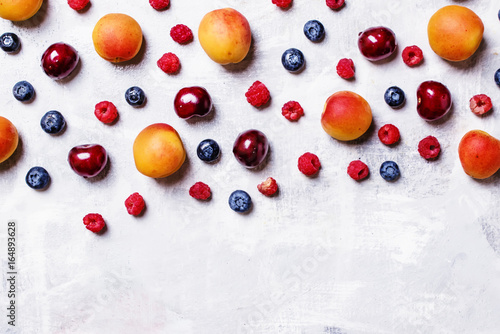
<point>192,101</point>
<point>250,148</point>
<point>59,60</point>
<point>87,160</point>
<point>433,100</point>
<point>377,43</point>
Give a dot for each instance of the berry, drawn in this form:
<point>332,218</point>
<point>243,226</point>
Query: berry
<point>23,91</point>
<point>94,222</point>
<point>200,191</point>
<point>335,4</point>
<point>388,134</point>
<point>181,34</point>
<point>240,201</point>
<point>258,94</point>
<point>208,150</point>
<point>293,60</point>
<point>394,96</point>
<point>389,171</point>
<point>9,42</point>
<point>480,104</point>
<point>358,170</point>
<point>135,204</point>
<point>497,77</point>
<point>309,164</point>
<point>269,187</point>
<point>159,4</point>
<point>345,68</point>
<point>106,112</point>
<point>314,30</point>
<point>292,111</point>
<point>52,122</point>
<point>37,178</point>
<point>282,3</point>
<point>78,4</point>
<point>429,148</point>
<point>169,63</point>
<point>135,96</point>
<point>412,55</point>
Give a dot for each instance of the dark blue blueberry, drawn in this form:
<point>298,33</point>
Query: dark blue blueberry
<point>23,91</point>
<point>497,77</point>
<point>52,122</point>
<point>37,178</point>
<point>9,42</point>
<point>135,96</point>
<point>389,171</point>
<point>240,201</point>
<point>208,150</point>
<point>293,59</point>
<point>394,96</point>
<point>314,30</point>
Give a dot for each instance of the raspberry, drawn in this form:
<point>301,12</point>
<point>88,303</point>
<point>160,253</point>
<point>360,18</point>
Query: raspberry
<point>292,111</point>
<point>358,170</point>
<point>78,4</point>
<point>345,68</point>
<point>269,187</point>
<point>480,104</point>
<point>135,204</point>
<point>429,148</point>
<point>200,191</point>
<point>94,222</point>
<point>159,4</point>
<point>282,3</point>
<point>309,164</point>
<point>412,55</point>
<point>181,34</point>
<point>169,63</point>
<point>388,134</point>
<point>106,112</point>
<point>335,4</point>
<point>258,94</point>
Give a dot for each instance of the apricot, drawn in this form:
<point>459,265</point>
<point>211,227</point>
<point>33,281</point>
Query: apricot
<point>117,37</point>
<point>479,154</point>
<point>8,139</point>
<point>346,116</point>
<point>225,35</point>
<point>19,10</point>
<point>455,32</point>
<point>158,151</point>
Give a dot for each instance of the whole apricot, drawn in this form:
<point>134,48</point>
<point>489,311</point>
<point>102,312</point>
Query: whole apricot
<point>19,10</point>
<point>8,138</point>
<point>346,116</point>
<point>455,32</point>
<point>479,154</point>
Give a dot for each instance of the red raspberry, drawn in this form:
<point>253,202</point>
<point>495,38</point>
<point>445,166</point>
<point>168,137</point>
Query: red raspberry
<point>269,187</point>
<point>258,94</point>
<point>282,3</point>
<point>412,55</point>
<point>429,148</point>
<point>169,63</point>
<point>94,222</point>
<point>309,164</point>
<point>335,4</point>
<point>159,4</point>
<point>345,68</point>
<point>480,104</point>
<point>78,4</point>
<point>135,204</point>
<point>292,111</point>
<point>388,134</point>
<point>358,170</point>
<point>106,112</point>
<point>200,191</point>
<point>181,34</point>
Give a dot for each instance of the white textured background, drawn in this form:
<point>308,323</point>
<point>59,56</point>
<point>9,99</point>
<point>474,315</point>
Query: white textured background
<point>328,255</point>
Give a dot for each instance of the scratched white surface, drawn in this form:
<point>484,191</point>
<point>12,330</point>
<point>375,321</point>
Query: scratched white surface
<point>328,255</point>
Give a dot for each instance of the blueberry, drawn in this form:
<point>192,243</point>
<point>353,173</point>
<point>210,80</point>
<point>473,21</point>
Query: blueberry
<point>23,91</point>
<point>9,42</point>
<point>394,96</point>
<point>52,122</point>
<point>293,60</point>
<point>135,96</point>
<point>208,150</point>
<point>240,201</point>
<point>37,178</point>
<point>497,77</point>
<point>314,30</point>
<point>389,171</point>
